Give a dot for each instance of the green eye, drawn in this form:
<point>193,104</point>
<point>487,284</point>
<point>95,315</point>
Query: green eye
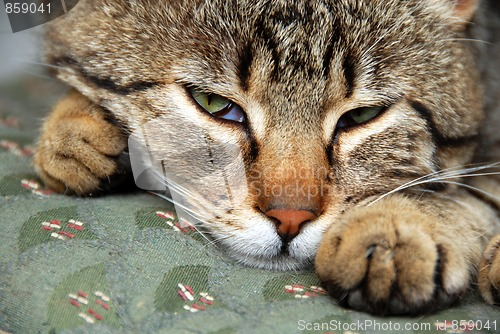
<point>218,106</point>
<point>210,102</point>
<point>362,115</point>
<point>359,116</point>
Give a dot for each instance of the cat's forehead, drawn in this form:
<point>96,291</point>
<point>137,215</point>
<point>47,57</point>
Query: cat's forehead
<point>293,33</point>
<point>298,46</point>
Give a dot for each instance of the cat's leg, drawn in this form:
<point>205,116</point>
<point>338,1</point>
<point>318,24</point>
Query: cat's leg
<point>405,255</point>
<point>489,272</point>
<point>80,150</point>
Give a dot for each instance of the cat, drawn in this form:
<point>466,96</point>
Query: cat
<point>363,135</point>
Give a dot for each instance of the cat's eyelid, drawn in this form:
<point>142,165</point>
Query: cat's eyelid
<point>235,98</point>
<point>209,90</point>
<point>376,98</point>
<point>188,89</point>
<point>384,103</point>
<point>373,101</point>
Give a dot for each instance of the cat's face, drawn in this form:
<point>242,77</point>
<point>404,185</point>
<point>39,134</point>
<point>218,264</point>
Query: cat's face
<point>334,103</point>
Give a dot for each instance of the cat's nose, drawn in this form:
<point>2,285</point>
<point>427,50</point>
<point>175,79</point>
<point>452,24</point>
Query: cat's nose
<point>289,221</point>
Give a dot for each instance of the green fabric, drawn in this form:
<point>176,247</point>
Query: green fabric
<point>122,266</point>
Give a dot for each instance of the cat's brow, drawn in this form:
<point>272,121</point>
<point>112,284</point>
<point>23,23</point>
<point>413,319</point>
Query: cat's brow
<point>246,60</point>
<point>349,74</point>
<point>331,46</point>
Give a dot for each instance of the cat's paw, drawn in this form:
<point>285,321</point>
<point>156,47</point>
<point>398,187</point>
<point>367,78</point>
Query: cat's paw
<point>489,272</point>
<point>390,258</point>
<point>79,151</point>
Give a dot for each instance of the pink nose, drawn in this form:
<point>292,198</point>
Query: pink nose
<point>290,220</point>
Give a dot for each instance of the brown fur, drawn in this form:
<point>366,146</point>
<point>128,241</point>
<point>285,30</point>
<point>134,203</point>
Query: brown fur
<point>489,271</point>
<point>296,68</point>
<point>78,146</point>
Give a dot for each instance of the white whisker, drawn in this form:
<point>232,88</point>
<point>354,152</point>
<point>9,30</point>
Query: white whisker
<point>39,75</point>
<point>173,185</point>
<point>463,204</point>
<point>473,188</point>
<point>41,64</point>
<point>214,241</point>
<point>181,206</point>
<point>210,241</point>
<point>442,175</point>
<point>467,40</point>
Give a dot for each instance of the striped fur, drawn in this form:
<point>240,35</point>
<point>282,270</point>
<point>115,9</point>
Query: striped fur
<point>400,227</point>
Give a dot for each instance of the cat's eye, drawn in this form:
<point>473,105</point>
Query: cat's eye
<point>359,116</point>
<point>218,106</point>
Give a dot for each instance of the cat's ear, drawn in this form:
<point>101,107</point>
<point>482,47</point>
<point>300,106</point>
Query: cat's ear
<point>465,9</point>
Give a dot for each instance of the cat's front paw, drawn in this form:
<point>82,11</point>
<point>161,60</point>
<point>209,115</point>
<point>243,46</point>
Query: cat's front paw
<point>489,272</point>
<point>79,151</point>
<point>390,258</point>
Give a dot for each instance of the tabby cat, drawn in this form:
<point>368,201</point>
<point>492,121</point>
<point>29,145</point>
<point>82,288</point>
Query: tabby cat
<point>362,135</point>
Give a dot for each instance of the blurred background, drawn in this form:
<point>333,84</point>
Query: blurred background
<point>18,51</point>
<point>27,92</point>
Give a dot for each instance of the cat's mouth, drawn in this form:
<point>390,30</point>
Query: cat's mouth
<point>257,244</point>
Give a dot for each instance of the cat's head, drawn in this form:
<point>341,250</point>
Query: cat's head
<point>271,118</point>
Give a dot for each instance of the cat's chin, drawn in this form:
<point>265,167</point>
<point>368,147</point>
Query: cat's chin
<point>273,257</point>
<point>280,262</point>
